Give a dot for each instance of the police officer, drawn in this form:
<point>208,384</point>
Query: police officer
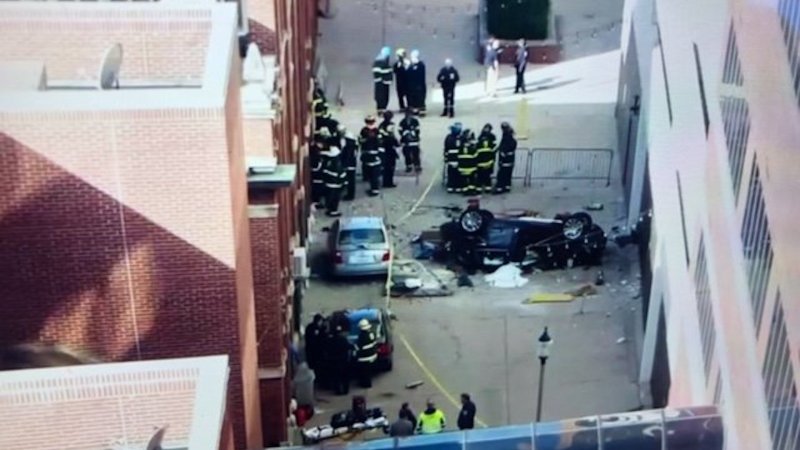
<point>314,335</point>
<point>382,79</point>
<point>410,137</point>
<point>452,147</point>
<point>366,353</point>
<point>388,148</point>
<point>505,159</point>
<point>485,158</point>
<point>334,175</point>
<point>349,161</point>
<point>341,358</point>
<point>417,87</point>
<point>370,141</point>
<point>448,78</point>
<point>400,67</point>
<point>520,63</point>
<point>467,163</point>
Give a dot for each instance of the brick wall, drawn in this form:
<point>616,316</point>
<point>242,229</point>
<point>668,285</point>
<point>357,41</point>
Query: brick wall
<point>275,395</point>
<point>262,25</point>
<point>158,50</point>
<point>112,246</point>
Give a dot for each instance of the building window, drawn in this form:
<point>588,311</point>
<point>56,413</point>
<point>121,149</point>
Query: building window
<point>705,315</point>
<point>718,389</point>
<point>780,389</point>
<point>736,124</point>
<point>701,86</point>
<point>789,12</point>
<point>757,245</point>
<point>732,70</point>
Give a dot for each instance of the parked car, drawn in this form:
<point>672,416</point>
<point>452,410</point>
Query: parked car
<point>359,246</point>
<point>381,326</point>
<point>479,240</point>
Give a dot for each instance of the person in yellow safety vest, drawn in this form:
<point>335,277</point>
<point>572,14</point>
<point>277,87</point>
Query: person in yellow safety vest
<point>366,353</point>
<point>467,163</point>
<point>486,156</point>
<point>431,421</point>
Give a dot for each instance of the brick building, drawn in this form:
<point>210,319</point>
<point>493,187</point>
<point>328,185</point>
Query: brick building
<point>125,228</point>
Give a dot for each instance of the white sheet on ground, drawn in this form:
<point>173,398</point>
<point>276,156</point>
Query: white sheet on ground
<point>507,276</point>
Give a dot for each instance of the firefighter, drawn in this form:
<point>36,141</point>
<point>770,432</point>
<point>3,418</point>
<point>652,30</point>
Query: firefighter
<point>370,142</point>
<point>505,159</point>
<point>452,147</point>
<point>409,136</point>
<point>382,78</point>
<point>316,162</point>
<point>319,103</point>
<point>400,69</point>
<point>448,78</point>
<point>485,158</point>
<point>366,353</point>
<point>416,82</point>
<point>388,148</point>
<point>467,163</point>
<point>334,176</point>
<point>349,161</point>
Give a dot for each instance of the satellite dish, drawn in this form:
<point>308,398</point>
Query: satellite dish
<point>158,437</point>
<point>109,67</point>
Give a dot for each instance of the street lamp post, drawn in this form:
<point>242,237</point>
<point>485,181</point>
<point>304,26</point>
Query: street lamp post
<point>543,351</point>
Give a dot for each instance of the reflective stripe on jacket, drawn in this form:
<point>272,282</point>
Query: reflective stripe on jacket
<point>367,347</point>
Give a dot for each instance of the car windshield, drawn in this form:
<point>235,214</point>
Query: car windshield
<point>361,236</point>
<point>500,236</point>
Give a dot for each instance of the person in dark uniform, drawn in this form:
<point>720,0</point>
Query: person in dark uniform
<point>506,151</point>
<point>370,141</point>
<point>315,333</point>
<point>382,78</point>
<point>319,103</point>
<point>334,182</point>
<point>520,63</point>
<point>388,148</point>
<point>349,161</point>
<point>452,147</point>
<point>485,158</point>
<point>466,417</point>
<point>410,137</point>
<point>341,358</point>
<point>448,78</point>
<point>366,353</point>
<point>467,163</point>
<point>315,161</point>
<point>417,87</point>
<point>400,67</point>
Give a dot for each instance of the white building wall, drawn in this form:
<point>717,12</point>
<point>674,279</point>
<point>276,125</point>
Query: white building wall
<point>699,156</point>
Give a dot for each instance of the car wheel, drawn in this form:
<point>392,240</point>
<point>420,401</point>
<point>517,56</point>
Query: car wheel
<point>474,221</point>
<point>388,365</point>
<point>576,225</point>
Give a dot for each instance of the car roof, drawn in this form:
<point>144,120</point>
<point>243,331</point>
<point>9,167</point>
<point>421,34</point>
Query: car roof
<point>360,223</point>
<point>355,315</point>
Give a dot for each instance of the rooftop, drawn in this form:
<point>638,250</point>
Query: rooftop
<point>170,55</point>
<point>116,406</point>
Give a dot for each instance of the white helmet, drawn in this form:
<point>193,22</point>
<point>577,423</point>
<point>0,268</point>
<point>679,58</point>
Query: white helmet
<point>364,324</point>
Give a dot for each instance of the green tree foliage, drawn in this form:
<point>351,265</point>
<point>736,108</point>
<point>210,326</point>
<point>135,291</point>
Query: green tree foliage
<point>518,19</point>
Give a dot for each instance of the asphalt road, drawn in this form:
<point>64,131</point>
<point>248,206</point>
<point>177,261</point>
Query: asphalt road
<point>481,340</point>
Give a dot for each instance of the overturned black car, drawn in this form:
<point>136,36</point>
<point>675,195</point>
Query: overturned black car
<point>479,240</point>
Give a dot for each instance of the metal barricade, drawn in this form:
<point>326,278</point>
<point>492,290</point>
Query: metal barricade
<point>522,163</point>
<point>569,164</point>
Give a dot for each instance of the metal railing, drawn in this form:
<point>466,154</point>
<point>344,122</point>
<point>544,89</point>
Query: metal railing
<point>594,164</point>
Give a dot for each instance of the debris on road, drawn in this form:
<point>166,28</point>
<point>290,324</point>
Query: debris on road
<point>621,340</point>
<point>506,276</point>
<point>412,279</point>
<point>465,281</point>
<point>600,280</point>
<point>582,291</point>
<point>545,297</point>
<point>597,206</point>
<point>414,384</point>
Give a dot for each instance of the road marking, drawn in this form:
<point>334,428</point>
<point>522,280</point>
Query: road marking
<point>433,378</point>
